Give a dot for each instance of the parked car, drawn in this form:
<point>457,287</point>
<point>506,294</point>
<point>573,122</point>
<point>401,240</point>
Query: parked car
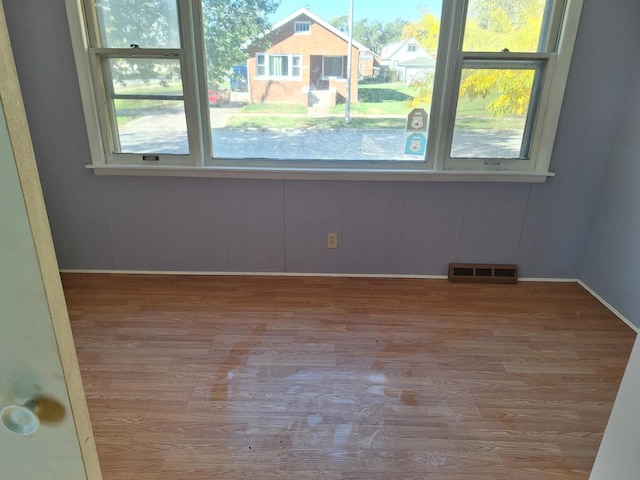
<point>214,97</point>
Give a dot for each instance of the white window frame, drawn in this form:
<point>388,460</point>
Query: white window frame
<point>296,66</point>
<point>261,65</point>
<point>438,165</point>
<point>302,28</point>
<point>289,76</point>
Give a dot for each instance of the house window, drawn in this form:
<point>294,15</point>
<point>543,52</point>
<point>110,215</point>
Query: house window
<point>261,66</point>
<point>333,67</point>
<point>295,65</point>
<point>479,98</point>
<point>302,27</point>
<point>278,66</point>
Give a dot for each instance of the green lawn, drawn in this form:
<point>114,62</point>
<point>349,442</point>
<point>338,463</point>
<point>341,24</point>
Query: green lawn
<point>381,106</point>
<point>130,109</point>
<point>275,108</point>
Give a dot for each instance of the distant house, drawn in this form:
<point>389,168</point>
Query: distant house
<point>369,65</point>
<point>409,59</point>
<point>306,63</point>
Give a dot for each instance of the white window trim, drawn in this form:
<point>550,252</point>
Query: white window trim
<point>327,77</point>
<point>289,77</point>
<point>305,31</point>
<point>432,170</point>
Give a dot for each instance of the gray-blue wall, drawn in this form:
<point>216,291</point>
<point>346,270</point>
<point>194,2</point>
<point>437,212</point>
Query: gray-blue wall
<point>612,263</point>
<point>384,227</point>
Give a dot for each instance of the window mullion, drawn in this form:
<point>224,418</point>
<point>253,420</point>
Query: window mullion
<point>532,114</point>
<point>106,111</point>
<point>446,83</point>
<point>194,87</point>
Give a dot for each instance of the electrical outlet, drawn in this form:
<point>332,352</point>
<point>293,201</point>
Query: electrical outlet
<point>332,240</point>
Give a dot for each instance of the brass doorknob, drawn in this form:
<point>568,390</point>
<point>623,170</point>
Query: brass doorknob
<point>22,419</point>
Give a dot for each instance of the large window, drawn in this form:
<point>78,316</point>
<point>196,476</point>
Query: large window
<point>277,65</point>
<point>449,89</point>
<point>333,67</point>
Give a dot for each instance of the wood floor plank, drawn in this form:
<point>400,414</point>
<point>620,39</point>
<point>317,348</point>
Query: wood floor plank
<point>195,377</point>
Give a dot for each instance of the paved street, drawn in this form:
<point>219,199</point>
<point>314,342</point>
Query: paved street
<point>167,134</point>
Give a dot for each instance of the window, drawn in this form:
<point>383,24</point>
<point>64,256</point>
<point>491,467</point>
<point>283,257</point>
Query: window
<point>478,98</point>
<point>261,66</point>
<point>333,67</point>
<point>295,65</point>
<point>277,66</point>
<point>302,27</point>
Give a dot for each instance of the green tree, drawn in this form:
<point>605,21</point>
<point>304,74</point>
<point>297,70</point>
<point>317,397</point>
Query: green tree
<point>341,23</point>
<point>502,25</point>
<point>393,30</point>
<point>373,34</point>
<point>228,26</point>
<point>426,32</point>
<point>149,24</point>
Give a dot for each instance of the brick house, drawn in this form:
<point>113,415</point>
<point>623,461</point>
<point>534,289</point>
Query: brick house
<point>305,63</point>
<point>369,65</point>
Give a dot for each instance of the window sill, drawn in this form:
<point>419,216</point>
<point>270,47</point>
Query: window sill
<point>317,173</point>
<point>265,78</point>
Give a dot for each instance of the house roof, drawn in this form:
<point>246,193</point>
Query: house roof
<point>390,49</point>
<point>419,61</point>
<point>320,21</point>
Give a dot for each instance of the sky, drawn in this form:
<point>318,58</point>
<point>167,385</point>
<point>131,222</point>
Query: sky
<point>383,10</point>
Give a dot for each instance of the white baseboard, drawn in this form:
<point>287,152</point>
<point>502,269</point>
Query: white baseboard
<point>613,310</point>
<point>257,274</point>
<point>352,275</point>
<point>555,280</point>
<point>293,274</point>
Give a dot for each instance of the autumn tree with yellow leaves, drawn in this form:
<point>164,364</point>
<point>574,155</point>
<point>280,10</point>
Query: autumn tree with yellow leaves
<point>491,26</point>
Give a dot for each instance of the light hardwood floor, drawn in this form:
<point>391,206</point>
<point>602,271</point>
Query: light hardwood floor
<point>343,378</point>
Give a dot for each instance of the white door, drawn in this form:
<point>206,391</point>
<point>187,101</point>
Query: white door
<point>38,367</point>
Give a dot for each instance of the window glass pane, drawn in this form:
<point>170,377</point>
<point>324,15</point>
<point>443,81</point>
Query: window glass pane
<point>492,112</point>
<point>301,27</point>
<point>295,67</point>
<point>294,106</point>
<point>148,24</point>
<point>260,65</point>
<point>333,67</point>
<point>514,25</point>
<point>278,65</point>
<point>147,112</point>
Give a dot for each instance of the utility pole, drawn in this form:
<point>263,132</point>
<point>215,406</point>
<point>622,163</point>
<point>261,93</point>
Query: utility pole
<point>347,107</point>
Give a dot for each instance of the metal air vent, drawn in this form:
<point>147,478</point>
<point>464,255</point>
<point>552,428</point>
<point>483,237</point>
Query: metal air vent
<point>483,273</point>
